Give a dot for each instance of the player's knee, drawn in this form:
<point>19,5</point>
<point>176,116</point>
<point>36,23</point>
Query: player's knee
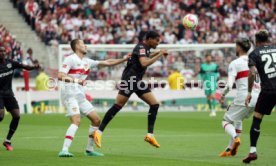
<point>76,122</point>
<point>154,107</point>
<point>258,115</point>
<point>16,117</point>
<point>225,123</point>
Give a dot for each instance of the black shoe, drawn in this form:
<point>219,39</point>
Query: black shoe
<point>250,157</point>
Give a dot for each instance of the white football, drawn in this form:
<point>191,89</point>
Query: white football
<point>190,21</point>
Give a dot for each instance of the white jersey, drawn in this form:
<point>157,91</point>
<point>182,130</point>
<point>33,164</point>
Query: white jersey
<point>77,68</point>
<point>239,70</point>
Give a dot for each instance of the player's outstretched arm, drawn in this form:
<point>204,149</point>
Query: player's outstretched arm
<point>148,61</point>
<point>27,67</point>
<point>66,78</point>
<point>113,62</point>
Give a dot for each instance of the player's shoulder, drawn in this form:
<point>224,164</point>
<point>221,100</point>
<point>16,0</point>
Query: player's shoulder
<point>70,57</point>
<point>89,60</point>
<point>10,61</point>
<point>141,45</point>
<point>213,64</point>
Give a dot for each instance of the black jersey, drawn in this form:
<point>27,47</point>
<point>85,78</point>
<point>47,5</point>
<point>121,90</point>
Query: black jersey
<point>264,58</point>
<point>134,67</point>
<point>6,75</point>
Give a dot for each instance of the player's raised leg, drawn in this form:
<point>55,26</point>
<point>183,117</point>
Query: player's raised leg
<point>237,141</point>
<point>120,102</point>
<point>230,130</point>
<point>95,122</point>
<point>150,99</point>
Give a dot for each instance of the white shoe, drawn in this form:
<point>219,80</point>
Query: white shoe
<point>212,114</point>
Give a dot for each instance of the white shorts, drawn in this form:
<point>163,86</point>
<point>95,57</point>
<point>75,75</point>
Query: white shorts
<point>77,105</point>
<point>236,113</point>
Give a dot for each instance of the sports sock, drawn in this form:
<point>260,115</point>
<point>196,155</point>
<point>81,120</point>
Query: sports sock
<point>253,149</point>
<point>238,133</point>
<point>109,115</point>
<point>90,141</point>
<point>209,104</point>
<point>152,117</point>
<point>69,136</point>
<point>230,143</point>
<point>255,131</point>
<point>213,104</point>
<point>229,129</point>
<point>13,127</point>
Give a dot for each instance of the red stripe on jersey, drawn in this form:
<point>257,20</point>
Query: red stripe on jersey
<point>242,74</point>
<point>79,71</point>
<point>69,137</point>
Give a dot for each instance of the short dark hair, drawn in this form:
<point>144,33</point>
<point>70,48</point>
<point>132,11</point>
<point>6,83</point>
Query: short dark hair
<point>262,36</point>
<point>244,43</point>
<point>73,44</point>
<point>206,55</point>
<point>152,35</point>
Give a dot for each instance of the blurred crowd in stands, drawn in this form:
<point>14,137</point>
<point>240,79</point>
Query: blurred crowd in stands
<point>126,22</point>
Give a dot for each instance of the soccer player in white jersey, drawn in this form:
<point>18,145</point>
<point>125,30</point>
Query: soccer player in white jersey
<point>237,111</point>
<point>73,73</point>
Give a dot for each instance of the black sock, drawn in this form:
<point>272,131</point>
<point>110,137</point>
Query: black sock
<point>255,131</point>
<point>109,115</point>
<point>13,127</point>
<point>152,116</point>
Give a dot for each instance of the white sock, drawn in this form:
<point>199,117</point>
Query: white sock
<point>69,136</point>
<point>151,134</point>
<point>238,133</point>
<point>90,141</point>
<point>229,129</point>
<point>99,131</point>
<point>6,140</point>
<point>230,143</point>
<point>253,149</point>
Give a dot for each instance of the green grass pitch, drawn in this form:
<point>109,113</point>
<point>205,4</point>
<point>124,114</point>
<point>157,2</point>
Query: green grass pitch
<point>190,138</point>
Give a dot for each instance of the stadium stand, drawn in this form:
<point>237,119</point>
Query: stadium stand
<point>126,21</point>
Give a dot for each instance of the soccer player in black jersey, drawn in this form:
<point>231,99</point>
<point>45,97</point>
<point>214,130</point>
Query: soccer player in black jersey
<point>262,61</point>
<point>132,83</point>
<point>7,99</point>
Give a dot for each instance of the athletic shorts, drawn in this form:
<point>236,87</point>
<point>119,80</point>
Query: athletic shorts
<point>265,103</point>
<point>77,105</point>
<point>209,89</point>
<point>8,102</point>
<point>139,88</point>
<point>236,113</point>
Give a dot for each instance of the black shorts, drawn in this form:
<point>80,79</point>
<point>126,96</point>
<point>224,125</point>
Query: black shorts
<point>139,88</point>
<point>8,102</point>
<point>265,103</point>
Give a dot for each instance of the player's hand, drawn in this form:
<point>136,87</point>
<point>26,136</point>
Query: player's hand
<point>247,100</point>
<point>164,52</point>
<point>221,100</point>
<point>81,82</point>
<point>36,66</point>
<point>127,56</point>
